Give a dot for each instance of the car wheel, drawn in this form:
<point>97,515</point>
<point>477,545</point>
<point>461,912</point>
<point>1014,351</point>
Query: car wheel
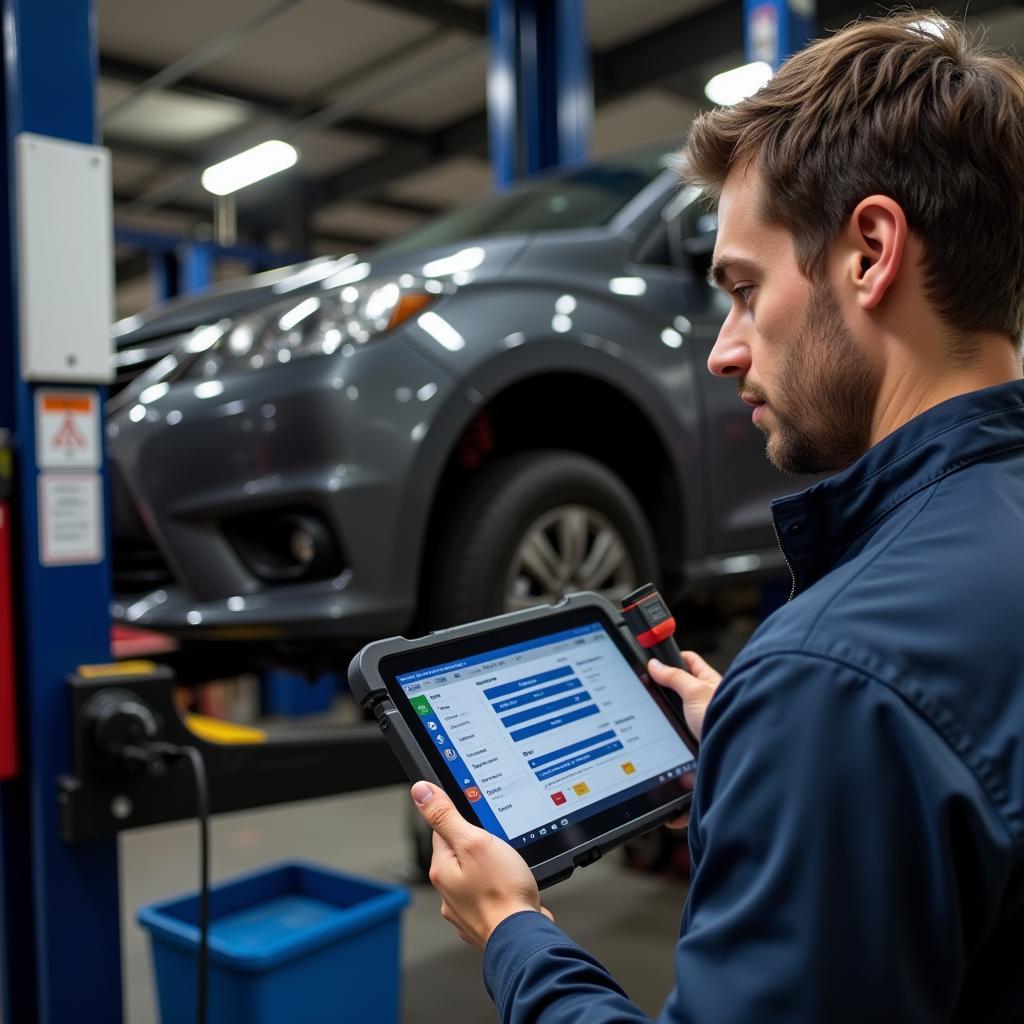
<point>536,526</point>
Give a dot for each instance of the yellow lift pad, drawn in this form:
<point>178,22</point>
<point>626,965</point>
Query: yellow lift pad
<point>216,730</point>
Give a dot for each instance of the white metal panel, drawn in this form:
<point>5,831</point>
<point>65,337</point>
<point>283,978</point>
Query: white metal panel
<point>65,260</point>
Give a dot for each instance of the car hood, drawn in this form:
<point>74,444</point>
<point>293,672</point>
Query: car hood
<point>482,258</point>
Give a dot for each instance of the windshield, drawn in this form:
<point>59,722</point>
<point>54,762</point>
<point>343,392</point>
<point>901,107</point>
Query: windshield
<point>588,197</point>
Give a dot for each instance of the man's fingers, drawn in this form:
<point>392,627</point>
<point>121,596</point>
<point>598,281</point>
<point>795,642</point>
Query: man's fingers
<point>700,668</point>
<point>673,678</point>
<point>547,913</point>
<point>689,685</point>
<point>441,815</point>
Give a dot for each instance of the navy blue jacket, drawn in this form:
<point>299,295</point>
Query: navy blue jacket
<point>857,833</point>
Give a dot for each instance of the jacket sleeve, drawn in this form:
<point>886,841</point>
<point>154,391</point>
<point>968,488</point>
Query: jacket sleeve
<point>828,816</point>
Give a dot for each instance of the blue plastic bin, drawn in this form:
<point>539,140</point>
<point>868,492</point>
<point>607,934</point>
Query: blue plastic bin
<point>293,943</point>
<point>289,693</point>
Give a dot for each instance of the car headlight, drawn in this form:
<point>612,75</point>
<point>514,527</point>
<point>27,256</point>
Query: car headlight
<point>318,324</point>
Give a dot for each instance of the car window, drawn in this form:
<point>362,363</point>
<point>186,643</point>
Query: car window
<point>684,235</point>
<point>588,197</point>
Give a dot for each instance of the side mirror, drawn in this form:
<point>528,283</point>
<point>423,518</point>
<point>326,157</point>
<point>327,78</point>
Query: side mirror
<point>699,249</point>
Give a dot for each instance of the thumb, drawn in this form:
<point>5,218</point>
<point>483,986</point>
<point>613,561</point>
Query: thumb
<point>441,814</point>
<point>685,684</point>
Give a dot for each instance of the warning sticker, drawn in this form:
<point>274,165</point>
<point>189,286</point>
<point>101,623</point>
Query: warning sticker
<point>67,429</point>
<point>70,519</point>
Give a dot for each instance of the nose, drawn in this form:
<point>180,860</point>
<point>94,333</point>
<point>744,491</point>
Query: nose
<point>730,356</point>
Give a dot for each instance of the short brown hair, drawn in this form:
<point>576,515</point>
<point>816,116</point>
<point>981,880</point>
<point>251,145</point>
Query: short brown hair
<point>905,107</point>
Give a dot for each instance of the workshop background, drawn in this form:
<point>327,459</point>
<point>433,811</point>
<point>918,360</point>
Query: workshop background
<point>398,112</point>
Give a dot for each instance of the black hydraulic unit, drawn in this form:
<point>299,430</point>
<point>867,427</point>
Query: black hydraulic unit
<point>124,714</point>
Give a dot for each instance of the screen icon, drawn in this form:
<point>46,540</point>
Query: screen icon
<point>629,768</point>
<point>543,831</point>
<point>553,826</point>
<point>564,822</point>
<point>472,794</point>
<point>439,738</point>
<point>558,797</point>
<point>581,789</point>
<point>432,726</point>
<point>450,754</point>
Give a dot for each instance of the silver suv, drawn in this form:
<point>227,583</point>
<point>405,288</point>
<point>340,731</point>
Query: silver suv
<point>506,404</point>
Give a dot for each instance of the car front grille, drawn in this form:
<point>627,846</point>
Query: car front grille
<point>132,361</point>
<point>138,566</point>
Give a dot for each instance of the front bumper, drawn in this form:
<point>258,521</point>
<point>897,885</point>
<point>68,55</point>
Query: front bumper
<point>340,435</point>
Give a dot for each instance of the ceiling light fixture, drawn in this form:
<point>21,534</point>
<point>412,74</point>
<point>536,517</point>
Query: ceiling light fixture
<point>732,86</point>
<point>249,167</point>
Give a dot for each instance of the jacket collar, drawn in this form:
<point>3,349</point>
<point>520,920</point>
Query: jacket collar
<point>817,526</point>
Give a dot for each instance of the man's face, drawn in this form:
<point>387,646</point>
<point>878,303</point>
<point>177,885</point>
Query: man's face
<point>812,387</point>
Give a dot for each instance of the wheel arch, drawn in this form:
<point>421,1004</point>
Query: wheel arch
<point>578,410</point>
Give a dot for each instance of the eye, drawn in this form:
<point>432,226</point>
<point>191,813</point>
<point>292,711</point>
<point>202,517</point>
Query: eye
<point>744,292</point>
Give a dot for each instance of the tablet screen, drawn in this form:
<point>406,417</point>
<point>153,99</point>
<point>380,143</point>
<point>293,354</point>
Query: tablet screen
<point>549,732</point>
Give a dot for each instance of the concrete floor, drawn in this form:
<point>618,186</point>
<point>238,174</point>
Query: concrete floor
<point>630,921</point>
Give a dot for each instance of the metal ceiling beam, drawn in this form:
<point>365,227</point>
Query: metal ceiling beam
<point>709,35</point>
<point>268,104</point>
<point>369,179</point>
<point>208,51</point>
<point>443,12</point>
<point>407,206</point>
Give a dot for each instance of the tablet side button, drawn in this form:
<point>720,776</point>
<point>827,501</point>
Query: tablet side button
<point>581,860</point>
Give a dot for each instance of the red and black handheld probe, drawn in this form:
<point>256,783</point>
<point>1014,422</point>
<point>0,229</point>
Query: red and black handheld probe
<point>654,627</point>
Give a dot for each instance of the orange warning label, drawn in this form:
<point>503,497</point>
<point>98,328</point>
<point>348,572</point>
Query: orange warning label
<point>67,403</point>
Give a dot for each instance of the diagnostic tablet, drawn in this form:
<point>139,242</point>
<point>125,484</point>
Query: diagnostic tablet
<point>542,726</point>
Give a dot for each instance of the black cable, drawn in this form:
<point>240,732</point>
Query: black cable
<point>203,816</point>
<point>195,758</point>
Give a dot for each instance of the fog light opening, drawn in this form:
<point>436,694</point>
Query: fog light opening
<point>286,546</point>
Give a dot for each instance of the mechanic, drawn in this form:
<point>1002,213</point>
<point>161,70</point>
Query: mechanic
<point>857,830</point>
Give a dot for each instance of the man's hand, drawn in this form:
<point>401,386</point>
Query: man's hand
<point>481,879</point>
<point>696,687</point>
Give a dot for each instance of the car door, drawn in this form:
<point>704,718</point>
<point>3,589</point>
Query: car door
<point>738,480</point>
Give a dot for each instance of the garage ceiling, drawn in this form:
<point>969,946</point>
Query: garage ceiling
<point>385,100</point>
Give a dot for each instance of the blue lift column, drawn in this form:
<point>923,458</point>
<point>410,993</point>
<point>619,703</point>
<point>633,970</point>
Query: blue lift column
<point>61,954</point>
<point>539,93</point>
<point>775,29</point>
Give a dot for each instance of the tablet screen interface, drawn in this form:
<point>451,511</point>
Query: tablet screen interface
<point>543,734</point>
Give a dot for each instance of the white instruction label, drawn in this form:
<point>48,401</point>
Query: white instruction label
<point>70,518</point>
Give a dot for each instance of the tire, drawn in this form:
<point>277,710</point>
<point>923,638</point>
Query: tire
<point>521,510</point>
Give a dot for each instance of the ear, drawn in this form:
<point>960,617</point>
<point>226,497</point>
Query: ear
<point>877,237</point>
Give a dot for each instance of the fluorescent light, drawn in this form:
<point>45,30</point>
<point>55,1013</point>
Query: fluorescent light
<point>251,166</point>
<point>732,86</point>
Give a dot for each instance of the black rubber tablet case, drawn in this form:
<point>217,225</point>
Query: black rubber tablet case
<point>368,688</point>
